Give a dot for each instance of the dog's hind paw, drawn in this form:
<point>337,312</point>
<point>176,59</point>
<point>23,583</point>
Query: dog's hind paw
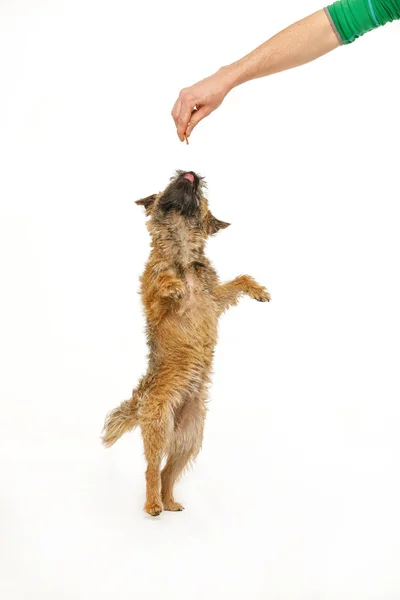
<point>173,506</point>
<point>153,508</point>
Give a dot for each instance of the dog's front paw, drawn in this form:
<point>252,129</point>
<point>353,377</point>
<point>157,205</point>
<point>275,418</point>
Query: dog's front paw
<point>261,294</point>
<point>175,290</point>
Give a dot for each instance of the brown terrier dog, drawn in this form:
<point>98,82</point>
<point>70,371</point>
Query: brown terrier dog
<point>183,299</point>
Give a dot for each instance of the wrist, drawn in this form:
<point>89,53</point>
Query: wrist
<point>232,76</point>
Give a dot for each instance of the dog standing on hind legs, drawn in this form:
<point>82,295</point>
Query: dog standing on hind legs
<point>182,299</point>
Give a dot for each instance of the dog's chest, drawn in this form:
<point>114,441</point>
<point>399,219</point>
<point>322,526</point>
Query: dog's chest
<point>197,299</point>
<point>192,284</point>
<point>195,292</point>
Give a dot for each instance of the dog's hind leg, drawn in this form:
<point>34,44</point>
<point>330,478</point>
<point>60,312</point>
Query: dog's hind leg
<point>175,466</point>
<point>156,425</point>
<point>185,446</point>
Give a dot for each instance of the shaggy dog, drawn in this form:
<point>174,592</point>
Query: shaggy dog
<point>182,299</point>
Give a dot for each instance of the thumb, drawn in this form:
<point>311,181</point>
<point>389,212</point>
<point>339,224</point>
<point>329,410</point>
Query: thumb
<point>196,117</point>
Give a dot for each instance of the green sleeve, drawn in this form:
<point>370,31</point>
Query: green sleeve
<point>352,18</point>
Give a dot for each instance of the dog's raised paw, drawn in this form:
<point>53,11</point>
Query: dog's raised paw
<point>175,291</point>
<point>153,508</point>
<point>262,296</point>
<point>177,294</point>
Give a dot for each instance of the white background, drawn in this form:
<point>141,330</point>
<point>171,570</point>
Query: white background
<point>296,493</point>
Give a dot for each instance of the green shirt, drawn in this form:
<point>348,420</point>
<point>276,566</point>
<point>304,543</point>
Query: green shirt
<point>352,18</point>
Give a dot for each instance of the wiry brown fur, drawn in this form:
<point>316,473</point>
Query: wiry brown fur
<point>183,300</point>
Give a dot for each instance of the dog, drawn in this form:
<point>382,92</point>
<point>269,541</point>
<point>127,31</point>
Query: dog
<point>183,299</point>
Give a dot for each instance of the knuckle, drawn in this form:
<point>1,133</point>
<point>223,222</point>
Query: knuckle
<point>186,95</point>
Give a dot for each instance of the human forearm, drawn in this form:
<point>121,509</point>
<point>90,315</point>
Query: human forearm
<point>296,45</point>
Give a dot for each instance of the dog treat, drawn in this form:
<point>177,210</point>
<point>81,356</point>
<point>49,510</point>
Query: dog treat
<point>183,300</point>
<point>186,140</point>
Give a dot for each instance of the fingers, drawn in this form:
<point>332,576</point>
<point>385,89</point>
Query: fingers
<point>183,120</point>
<point>182,112</point>
<point>176,109</point>
<point>196,117</point>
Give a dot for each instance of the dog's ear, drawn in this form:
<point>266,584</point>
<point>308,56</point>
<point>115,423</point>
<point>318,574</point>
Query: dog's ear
<point>147,203</point>
<point>214,224</point>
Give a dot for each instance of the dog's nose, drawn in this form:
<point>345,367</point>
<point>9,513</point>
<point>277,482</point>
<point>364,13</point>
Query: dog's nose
<point>189,176</point>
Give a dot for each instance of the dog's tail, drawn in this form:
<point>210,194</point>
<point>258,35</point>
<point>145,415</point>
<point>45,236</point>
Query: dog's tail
<point>120,420</point>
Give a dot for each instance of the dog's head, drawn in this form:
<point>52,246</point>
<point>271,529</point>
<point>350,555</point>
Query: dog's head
<point>182,203</point>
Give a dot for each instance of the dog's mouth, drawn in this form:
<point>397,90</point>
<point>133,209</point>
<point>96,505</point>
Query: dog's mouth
<point>189,177</point>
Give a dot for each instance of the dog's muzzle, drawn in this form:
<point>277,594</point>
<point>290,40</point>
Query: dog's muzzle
<point>181,195</point>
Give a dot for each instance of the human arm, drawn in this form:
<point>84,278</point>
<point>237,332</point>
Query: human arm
<point>296,45</point>
<point>340,23</point>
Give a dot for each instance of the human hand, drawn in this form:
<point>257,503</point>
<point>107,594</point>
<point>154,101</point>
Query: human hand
<point>199,100</point>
